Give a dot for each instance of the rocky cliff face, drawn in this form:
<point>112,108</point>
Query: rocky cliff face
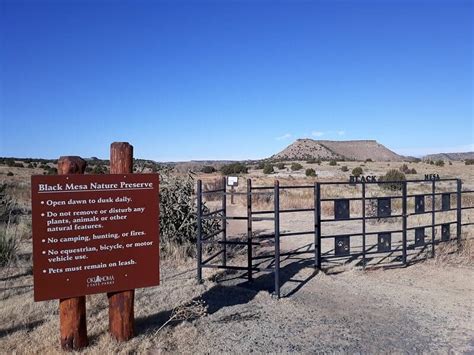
<point>304,149</point>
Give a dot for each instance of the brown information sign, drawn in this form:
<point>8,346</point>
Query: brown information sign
<point>94,234</point>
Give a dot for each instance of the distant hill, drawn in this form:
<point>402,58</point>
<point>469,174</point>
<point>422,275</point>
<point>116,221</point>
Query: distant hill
<point>304,149</point>
<point>450,156</point>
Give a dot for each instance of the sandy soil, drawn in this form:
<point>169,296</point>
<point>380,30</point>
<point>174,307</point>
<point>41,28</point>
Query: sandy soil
<point>426,307</point>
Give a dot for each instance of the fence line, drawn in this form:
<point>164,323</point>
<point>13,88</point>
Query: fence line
<point>341,211</point>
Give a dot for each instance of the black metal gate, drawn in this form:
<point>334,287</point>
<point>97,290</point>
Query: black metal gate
<point>362,243</point>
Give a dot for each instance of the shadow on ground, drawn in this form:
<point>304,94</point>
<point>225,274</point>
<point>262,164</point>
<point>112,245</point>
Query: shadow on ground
<point>235,290</point>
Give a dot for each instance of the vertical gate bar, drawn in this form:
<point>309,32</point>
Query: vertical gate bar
<point>224,221</point>
<point>199,231</point>
<point>459,211</point>
<point>316,244</point>
<point>249,229</point>
<point>404,227</point>
<point>363,225</point>
<point>276,201</point>
<point>433,217</point>
<point>318,221</point>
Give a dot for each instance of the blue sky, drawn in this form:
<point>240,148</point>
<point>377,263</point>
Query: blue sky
<point>233,79</point>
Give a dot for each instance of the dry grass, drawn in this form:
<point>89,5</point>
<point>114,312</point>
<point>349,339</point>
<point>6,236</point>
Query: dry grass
<point>456,255</point>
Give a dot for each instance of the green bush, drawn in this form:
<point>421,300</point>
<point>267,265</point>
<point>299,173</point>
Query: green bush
<point>207,169</point>
<point>260,165</point>
<point>99,169</point>
<point>311,161</point>
<point>178,216</point>
<point>406,170</point>
<point>296,166</point>
<point>344,168</point>
<point>333,162</point>
<point>310,172</point>
<point>439,162</point>
<point>234,168</point>
<point>357,171</point>
<point>469,162</point>
<point>392,175</point>
<point>268,169</point>
<point>280,166</point>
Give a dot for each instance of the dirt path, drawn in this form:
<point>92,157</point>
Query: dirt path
<point>420,308</point>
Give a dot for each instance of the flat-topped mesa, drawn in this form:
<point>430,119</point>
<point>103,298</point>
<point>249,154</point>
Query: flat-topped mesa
<point>306,148</point>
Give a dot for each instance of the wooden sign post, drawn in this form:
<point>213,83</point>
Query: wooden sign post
<point>72,311</point>
<point>95,234</point>
<point>121,312</point>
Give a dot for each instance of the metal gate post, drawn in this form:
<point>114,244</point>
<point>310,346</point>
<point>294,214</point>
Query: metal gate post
<point>318,222</point>
<point>363,225</point>
<point>316,242</point>
<point>199,230</point>
<point>276,201</point>
<point>433,217</point>
<point>224,221</point>
<point>459,211</point>
<point>404,227</point>
<point>249,229</point>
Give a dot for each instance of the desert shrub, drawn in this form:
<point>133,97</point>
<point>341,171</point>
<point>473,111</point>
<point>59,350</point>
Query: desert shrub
<point>311,161</point>
<point>368,160</point>
<point>333,162</point>
<point>280,166</point>
<point>310,172</point>
<point>344,168</point>
<point>10,173</point>
<point>392,175</point>
<point>178,216</point>
<point>10,162</point>
<point>260,165</point>
<point>8,247</point>
<point>18,165</point>
<point>30,166</point>
<point>268,169</point>
<point>469,162</point>
<point>450,162</point>
<point>357,171</point>
<point>404,168</point>
<point>99,169</point>
<point>50,171</point>
<point>207,169</point>
<point>431,162</point>
<point>296,166</point>
<point>234,168</point>
<point>439,162</point>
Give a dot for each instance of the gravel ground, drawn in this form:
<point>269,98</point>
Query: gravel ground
<point>426,307</point>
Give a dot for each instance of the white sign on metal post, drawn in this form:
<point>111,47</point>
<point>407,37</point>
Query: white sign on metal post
<point>232,181</point>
